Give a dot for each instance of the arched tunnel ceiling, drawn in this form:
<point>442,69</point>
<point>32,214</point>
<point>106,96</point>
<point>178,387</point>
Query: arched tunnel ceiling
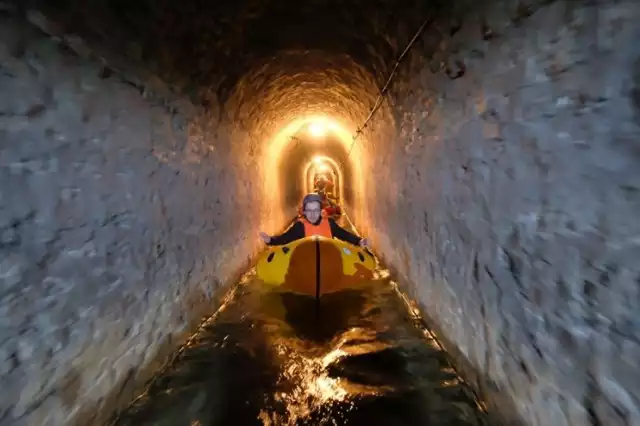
<point>336,54</point>
<point>258,65</point>
<point>255,65</point>
<point>214,44</point>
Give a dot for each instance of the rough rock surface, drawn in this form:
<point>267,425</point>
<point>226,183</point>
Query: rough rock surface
<point>500,178</point>
<point>117,225</point>
<point>518,218</point>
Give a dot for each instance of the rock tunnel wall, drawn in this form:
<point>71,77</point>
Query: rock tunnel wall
<point>516,163</point>
<point>118,224</point>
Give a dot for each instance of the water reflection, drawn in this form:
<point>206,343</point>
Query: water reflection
<point>270,358</point>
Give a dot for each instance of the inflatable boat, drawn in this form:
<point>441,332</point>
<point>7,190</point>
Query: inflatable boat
<point>315,266</point>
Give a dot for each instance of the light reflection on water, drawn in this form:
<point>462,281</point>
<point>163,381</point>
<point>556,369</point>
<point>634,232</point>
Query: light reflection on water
<point>270,358</point>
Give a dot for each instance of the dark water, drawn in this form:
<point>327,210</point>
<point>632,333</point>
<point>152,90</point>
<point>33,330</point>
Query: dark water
<point>267,358</point>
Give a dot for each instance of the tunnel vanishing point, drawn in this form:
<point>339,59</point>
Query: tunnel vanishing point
<point>496,169</point>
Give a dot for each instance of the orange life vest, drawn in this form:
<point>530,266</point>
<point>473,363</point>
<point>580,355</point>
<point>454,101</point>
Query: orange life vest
<point>322,229</point>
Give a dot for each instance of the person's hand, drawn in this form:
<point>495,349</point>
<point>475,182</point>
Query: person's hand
<point>265,237</point>
<point>364,243</point>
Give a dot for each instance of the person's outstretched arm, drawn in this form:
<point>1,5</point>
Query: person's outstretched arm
<point>295,232</point>
<point>344,235</point>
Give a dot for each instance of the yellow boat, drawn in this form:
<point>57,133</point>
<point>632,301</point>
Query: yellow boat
<point>315,266</point>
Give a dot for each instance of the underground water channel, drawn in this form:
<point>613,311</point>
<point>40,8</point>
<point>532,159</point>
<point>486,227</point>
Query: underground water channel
<point>141,145</point>
<point>361,356</point>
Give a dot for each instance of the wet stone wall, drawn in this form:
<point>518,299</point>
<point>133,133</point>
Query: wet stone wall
<point>511,201</point>
<point>117,226</point>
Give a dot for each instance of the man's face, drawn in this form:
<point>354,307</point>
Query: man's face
<point>312,211</point>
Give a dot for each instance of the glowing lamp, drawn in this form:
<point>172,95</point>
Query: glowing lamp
<point>317,129</point>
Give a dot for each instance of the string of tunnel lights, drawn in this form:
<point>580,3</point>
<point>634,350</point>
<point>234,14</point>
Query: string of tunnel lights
<point>383,92</point>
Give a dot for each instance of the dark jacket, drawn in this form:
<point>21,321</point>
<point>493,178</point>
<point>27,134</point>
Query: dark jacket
<point>296,232</point>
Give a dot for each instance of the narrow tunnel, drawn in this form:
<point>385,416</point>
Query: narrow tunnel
<point>316,152</point>
<point>488,148</point>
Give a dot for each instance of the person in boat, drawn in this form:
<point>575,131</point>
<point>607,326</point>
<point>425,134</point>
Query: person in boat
<point>313,222</point>
<point>323,183</point>
<point>329,206</point>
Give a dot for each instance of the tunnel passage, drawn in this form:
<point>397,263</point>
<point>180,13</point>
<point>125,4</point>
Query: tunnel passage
<point>498,175</point>
<point>324,174</point>
<point>309,156</point>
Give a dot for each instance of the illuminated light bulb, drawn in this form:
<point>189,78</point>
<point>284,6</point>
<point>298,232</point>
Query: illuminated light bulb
<point>317,130</point>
